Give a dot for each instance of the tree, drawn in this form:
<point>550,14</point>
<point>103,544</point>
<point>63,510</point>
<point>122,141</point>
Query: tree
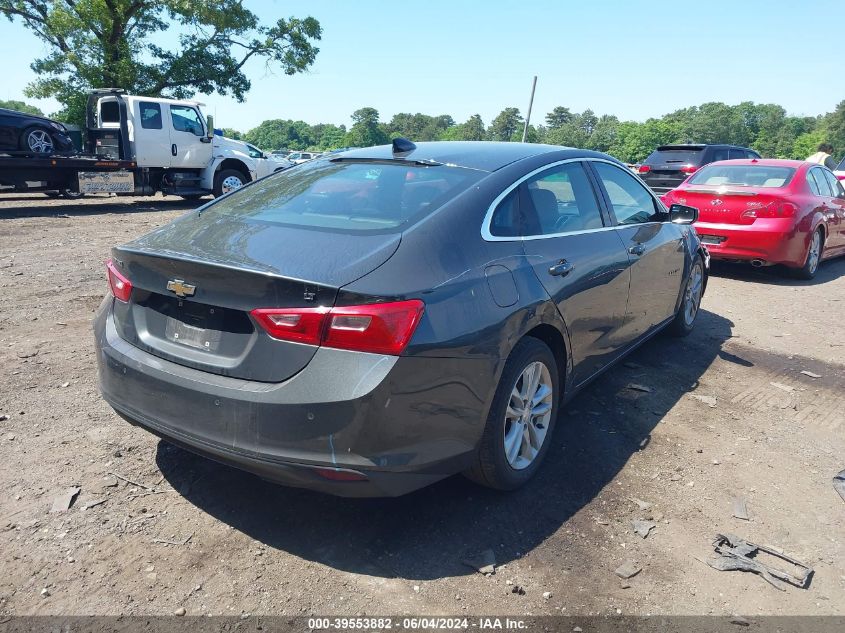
<point>117,43</point>
<point>558,117</point>
<point>835,128</point>
<point>365,131</point>
<point>229,132</point>
<point>506,125</point>
<point>20,106</point>
<point>471,130</point>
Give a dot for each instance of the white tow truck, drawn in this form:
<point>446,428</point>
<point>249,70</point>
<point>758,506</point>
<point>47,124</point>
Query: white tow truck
<point>140,146</point>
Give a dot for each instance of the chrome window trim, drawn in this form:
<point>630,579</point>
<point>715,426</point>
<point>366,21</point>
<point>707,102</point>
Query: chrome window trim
<point>487,236</point>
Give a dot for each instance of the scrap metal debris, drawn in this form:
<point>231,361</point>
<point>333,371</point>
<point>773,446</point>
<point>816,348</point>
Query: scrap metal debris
<point>738,554</point>
<point>63,501</point>
<point>637,387</point>
<point>811,374</point>
<point>839,484</point>
<point>740,508</point>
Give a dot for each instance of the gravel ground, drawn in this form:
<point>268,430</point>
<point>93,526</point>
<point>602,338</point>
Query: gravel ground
<point>729,415</point>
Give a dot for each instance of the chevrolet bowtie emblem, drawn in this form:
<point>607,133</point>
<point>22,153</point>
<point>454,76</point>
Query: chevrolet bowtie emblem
<point>180,288</point>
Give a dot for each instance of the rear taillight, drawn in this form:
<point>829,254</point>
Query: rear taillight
<point>120,286</point>
<point>379,328</point>
<point>689,169</point>
<point>772,210</point>
<point>644,169</point>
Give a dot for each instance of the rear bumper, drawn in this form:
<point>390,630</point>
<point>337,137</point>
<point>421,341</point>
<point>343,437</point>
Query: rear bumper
<point>402,422</point>
<point>768,240</point>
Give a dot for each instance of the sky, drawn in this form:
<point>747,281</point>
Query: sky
<point>461,57</point>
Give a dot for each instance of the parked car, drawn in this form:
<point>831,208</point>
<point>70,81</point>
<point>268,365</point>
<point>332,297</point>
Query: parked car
<point>20,131</point>
<point>840,170</point>
<point>373,322</point>
<point>669,165</point>
<point>300,157</point>
<point>768,212</point>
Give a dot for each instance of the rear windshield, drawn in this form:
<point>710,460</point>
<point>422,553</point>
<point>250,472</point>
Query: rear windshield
<point>743,175</point>
<point>349,196</point>
<point>672,156</point>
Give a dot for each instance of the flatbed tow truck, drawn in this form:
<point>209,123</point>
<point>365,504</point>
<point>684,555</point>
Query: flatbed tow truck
<point>70,175</point>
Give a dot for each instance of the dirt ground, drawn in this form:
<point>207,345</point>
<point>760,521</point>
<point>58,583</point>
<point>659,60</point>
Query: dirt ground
<point>729,415</point>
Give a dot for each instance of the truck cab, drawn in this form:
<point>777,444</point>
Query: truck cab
<point>172,143</point>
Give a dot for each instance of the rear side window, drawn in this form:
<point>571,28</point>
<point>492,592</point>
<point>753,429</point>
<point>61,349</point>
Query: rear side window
<point>743,175</point>
<point>822,188</point>
<point>631,202</point>
<point>721,153</point>
<point>348,196</point>
<point>560,200</point>
<point>150,115</point>
<point>737,153</point>
<point>835,185</point>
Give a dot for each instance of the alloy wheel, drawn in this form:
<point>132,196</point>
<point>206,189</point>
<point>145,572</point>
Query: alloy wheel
<point>692,295</point>
<point>815,252</point>
<point>39,141</point>
<point>528,415</point>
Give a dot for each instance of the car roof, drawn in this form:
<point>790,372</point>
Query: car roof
<point>481,155</point>
<point>693,147</point>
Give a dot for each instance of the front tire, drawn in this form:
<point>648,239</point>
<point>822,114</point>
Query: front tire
<point>690,301</point>
<point>227,180</point>
<point>38,140</point>
<point>814,257</point>
<point>522,417</point>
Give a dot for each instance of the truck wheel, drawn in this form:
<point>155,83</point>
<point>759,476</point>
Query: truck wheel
<point>36,139</point>
<point>228,180</point>
<point>71,195</point>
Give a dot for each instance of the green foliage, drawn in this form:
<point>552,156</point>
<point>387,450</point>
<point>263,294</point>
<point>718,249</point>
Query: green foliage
<point>507,126</point>
<point>471,130</point>
<point>115,43</point>
<point>20,106</point>
<point>419,127</point>
<point>232,133</point>
<point>834,125</point>
<point>366,131</point>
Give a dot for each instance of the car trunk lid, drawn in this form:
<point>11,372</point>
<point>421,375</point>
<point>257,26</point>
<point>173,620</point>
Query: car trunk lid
<point>194,285</point>
<point>727,206</point>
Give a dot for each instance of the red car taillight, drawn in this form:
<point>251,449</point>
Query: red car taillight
<point>644,169</point>
<point>379,328</point>
<point>689,169</point>
<point>841,176</point>
<point>772,210</point>
<point>120,286</point>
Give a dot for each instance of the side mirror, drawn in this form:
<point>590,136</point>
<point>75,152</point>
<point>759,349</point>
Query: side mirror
<point>682,214</point>
<point>209,126</point>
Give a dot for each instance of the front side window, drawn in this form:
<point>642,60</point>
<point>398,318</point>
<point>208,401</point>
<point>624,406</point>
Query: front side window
<point>150,115</point>
<point>560,200</point>
<point>347,196</point>
<point>186,119</point>
<point>631,202</point>
<point>254,152</point>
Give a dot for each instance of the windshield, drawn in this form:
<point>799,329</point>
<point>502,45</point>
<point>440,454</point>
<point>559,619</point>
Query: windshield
<point>350,196</point>
<point>743,175</point>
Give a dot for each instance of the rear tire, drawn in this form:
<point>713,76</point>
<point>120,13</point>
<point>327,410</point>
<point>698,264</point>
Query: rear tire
<point>516,437</point>
<point>71,195</point>
<point>814,257</point>
<point>684,321</point>
<point>228,180</point>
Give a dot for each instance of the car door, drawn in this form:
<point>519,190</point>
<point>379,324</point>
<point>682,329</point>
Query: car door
<point>152,136</point>
<point>576,256</point>
<point>835,214</point>
<point>188,145</point>
<point>656,249</point>
<point>9,130</point>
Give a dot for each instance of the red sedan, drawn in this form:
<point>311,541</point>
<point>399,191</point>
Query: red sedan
<point>767,211</point>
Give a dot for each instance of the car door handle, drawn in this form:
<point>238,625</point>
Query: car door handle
<point>174,149</point>
<point>561,269</point>
<point>636,249</point>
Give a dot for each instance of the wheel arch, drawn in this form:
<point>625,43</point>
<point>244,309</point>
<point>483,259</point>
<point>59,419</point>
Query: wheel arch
<point>237,165</point>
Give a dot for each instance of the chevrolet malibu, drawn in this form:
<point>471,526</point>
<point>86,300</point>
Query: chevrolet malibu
<point>367,324</point>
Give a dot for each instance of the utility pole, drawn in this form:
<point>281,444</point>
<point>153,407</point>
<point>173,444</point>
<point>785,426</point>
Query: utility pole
<point>530,105</point>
